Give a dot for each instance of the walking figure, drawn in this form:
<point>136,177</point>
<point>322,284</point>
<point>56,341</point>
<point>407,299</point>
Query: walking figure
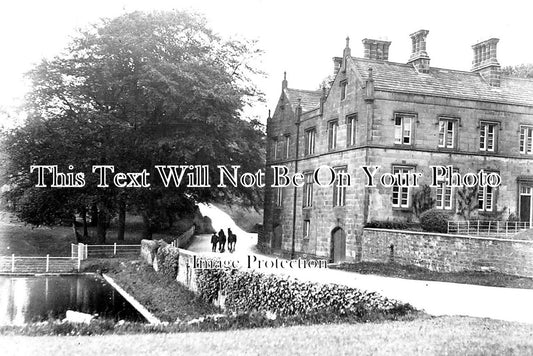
<point>214,242</point>
<point>230,240</point>
<point>221,240</point>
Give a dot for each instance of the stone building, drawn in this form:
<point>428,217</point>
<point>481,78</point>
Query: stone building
<point>400,117</point>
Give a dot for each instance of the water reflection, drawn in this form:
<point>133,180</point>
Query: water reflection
<point>26,299</point>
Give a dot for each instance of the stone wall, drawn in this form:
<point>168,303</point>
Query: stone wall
<point>186,274</point>
<point>149,250</point>
<point>448,253</point>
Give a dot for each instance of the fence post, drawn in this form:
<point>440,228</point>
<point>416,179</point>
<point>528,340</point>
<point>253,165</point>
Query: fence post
<point>86,251</point>
<point>47,262</point>
<point>79,262</point>
<point>12,263</point>
<point>115,249</point>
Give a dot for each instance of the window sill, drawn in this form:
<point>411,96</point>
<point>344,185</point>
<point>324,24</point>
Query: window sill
<point>488,152</point>
<point>397,208</point>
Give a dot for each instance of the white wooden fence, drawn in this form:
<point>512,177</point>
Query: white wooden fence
<point>41,264</point>
<point>84,251</point>
<point>78,253</point>
<point>487,228</point>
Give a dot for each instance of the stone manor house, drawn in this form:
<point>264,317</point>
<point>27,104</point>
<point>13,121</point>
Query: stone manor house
<point>403,117</point>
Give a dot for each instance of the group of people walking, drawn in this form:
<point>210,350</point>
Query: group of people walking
<point>220,240</point>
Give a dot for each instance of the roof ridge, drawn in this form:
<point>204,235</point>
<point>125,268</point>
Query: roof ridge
<point>449,83</point>
<point>318,91</point>
<point>407,65</point>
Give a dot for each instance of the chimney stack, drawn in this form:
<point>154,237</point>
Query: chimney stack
<point>284,82</point>
<point>419,57</point>
<point>376,49</point>
<point>485,61</point>
<point>337,63</point>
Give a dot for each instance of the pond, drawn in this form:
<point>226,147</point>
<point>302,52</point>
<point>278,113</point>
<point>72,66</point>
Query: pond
<point>37,298</point>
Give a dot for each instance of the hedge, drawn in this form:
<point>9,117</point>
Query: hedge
<point>249,291</point>
<point>391,224</point>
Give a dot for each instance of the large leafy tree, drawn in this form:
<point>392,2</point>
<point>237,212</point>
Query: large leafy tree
<point>136,91</point>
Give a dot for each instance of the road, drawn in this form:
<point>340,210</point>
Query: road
<point>436,298</point>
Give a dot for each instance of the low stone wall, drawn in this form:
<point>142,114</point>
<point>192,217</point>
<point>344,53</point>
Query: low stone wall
<point>448,253</point>
<point>149,250</point>
<point>186,273</point>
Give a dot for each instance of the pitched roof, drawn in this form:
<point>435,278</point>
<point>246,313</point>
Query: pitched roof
<point>399,77</point>
<point>310,98</point>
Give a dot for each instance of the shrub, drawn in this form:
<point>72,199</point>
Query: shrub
<point>513,218</point>
<point>392,225</point>
<point>167,260</point>
<point>435,221</point>
<point>492,215</point>
<point>249,291</point>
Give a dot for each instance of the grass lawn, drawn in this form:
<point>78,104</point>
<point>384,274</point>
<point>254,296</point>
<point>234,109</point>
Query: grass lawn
<point>427,336</point>
<point>162,296</point>
<point>492,279</point>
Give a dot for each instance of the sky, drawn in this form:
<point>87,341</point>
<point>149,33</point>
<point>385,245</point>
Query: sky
<point>299,37</point>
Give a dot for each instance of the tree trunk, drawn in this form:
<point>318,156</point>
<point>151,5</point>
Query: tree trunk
<point>170,216</point>
<point>84,218</point>
<point>101,226</point>
<point>121,220</point>
<point>94,215</point>
<point>147,227</point>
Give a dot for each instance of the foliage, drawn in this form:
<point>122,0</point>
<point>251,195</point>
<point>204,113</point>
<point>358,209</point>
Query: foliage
<point>392,225</point>
<point>422,200</point>
<point>214,322</point>
<point>519,71</point>
<point>492,215</point>
<point>326,83</point>
<point>140,90</point>
<point>434,220</point>
<point>251,291</point>
<point>513,218</point>
<point>467,201</point>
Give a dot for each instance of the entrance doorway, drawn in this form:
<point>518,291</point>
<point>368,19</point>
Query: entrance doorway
<point>277,237</point>
<point>338,245</point>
